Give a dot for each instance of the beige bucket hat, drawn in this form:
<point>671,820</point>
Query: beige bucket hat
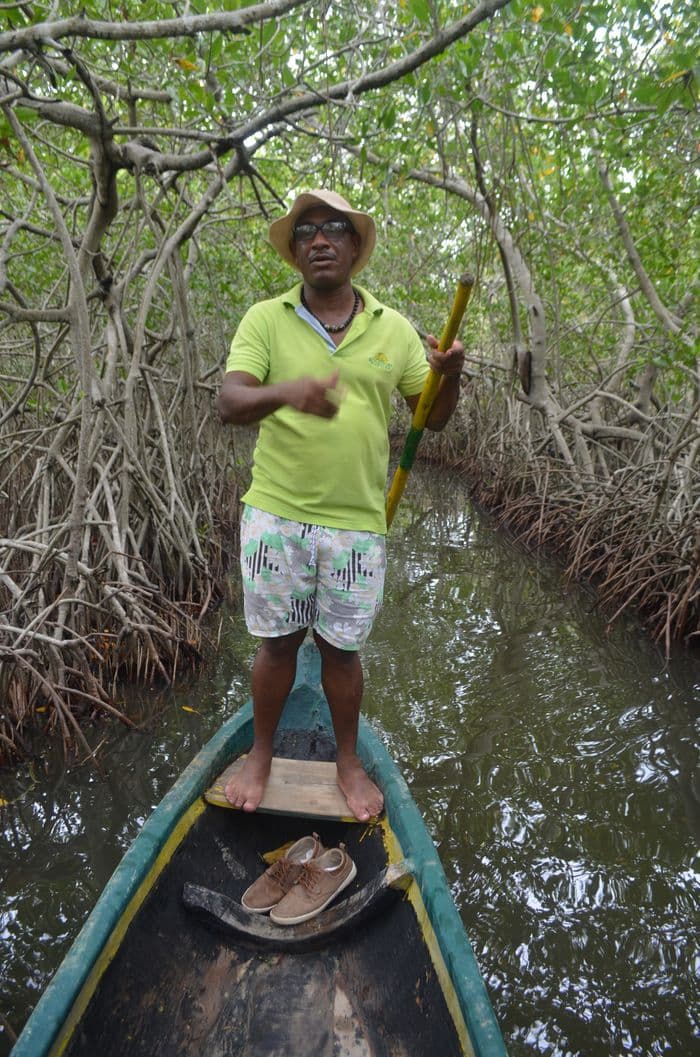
<point>281,230</point>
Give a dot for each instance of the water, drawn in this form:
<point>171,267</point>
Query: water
<point>556,764</point>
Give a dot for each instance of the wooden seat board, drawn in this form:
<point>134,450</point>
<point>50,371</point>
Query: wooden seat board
<point>295,787</point>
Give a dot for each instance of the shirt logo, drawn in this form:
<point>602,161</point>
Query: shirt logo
<point>381,361</point>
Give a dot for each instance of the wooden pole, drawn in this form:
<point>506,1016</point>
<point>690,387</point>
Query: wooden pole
<point>431,388</point>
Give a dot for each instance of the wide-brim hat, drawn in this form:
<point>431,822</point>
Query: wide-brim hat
<point>281,230</point>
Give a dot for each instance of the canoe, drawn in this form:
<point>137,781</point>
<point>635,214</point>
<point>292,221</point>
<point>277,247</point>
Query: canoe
<point>169,963</point>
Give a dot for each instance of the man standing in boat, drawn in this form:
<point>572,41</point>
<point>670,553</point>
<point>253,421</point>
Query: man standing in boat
<point>316,368</point>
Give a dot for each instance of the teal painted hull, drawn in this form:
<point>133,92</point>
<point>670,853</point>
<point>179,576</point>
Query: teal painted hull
<point>306,703</point>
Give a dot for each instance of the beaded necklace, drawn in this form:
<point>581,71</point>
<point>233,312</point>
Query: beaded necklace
<point>334,328</point>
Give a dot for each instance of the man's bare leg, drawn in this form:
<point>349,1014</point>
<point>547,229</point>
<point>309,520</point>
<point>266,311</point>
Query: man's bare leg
<point>273,674</point>
<point>343,682</point>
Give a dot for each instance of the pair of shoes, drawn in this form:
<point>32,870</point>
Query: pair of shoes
<point>273,885</point>
<point>320,881</point>
<point>302,883</point>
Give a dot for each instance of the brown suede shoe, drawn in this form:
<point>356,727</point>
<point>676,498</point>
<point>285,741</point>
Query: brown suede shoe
<point>269,889</point>
<point>320,881</point>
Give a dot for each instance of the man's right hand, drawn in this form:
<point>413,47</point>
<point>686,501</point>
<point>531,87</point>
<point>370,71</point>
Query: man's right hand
<point>316,396</point>
<point>242,400</point>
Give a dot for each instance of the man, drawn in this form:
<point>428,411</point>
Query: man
<point>316,368</point>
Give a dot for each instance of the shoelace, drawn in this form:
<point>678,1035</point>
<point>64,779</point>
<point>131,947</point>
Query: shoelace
<point>284,873</point>
<point>310,878</point>
<point>311,874</point>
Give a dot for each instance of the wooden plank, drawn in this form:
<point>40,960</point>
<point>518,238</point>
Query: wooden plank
<point>295,787</point>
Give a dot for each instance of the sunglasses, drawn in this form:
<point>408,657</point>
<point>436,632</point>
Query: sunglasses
<point>332,229</point>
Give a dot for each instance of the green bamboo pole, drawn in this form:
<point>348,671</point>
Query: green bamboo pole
<point>431,388</point>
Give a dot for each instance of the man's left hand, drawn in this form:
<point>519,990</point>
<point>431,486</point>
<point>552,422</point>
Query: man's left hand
<point>449,362</point>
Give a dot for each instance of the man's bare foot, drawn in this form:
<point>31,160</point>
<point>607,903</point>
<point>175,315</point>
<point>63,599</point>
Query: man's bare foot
<point>364,799</point>
<point>247,788</point>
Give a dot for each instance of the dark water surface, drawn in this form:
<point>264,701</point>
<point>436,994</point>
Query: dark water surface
<point>556,766</point>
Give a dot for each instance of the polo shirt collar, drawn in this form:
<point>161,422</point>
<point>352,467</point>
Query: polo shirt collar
<point>293,297</point>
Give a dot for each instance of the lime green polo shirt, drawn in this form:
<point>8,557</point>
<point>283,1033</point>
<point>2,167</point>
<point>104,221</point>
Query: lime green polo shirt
<point>327,471</point>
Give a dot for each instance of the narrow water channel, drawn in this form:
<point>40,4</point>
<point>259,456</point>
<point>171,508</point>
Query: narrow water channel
<point>556,764</point>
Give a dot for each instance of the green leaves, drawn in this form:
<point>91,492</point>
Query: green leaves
<point>530,94</point>
<point>387,117</point>
<point>420,9</point>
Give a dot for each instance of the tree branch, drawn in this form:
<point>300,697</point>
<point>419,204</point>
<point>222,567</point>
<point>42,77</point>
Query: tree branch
<point>667,320</point>
<point>82,26</point>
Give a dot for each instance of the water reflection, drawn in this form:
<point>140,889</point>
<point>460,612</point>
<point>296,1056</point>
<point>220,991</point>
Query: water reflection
<point>556,766</point>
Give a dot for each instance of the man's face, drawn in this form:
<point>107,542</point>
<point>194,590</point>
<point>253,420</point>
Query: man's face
<point>325,260</point>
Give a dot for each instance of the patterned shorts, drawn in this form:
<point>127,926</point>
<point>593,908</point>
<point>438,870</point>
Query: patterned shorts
<point>298,576</point>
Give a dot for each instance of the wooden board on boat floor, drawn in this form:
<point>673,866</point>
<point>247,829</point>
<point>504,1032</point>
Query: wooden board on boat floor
<point>295,787</point>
